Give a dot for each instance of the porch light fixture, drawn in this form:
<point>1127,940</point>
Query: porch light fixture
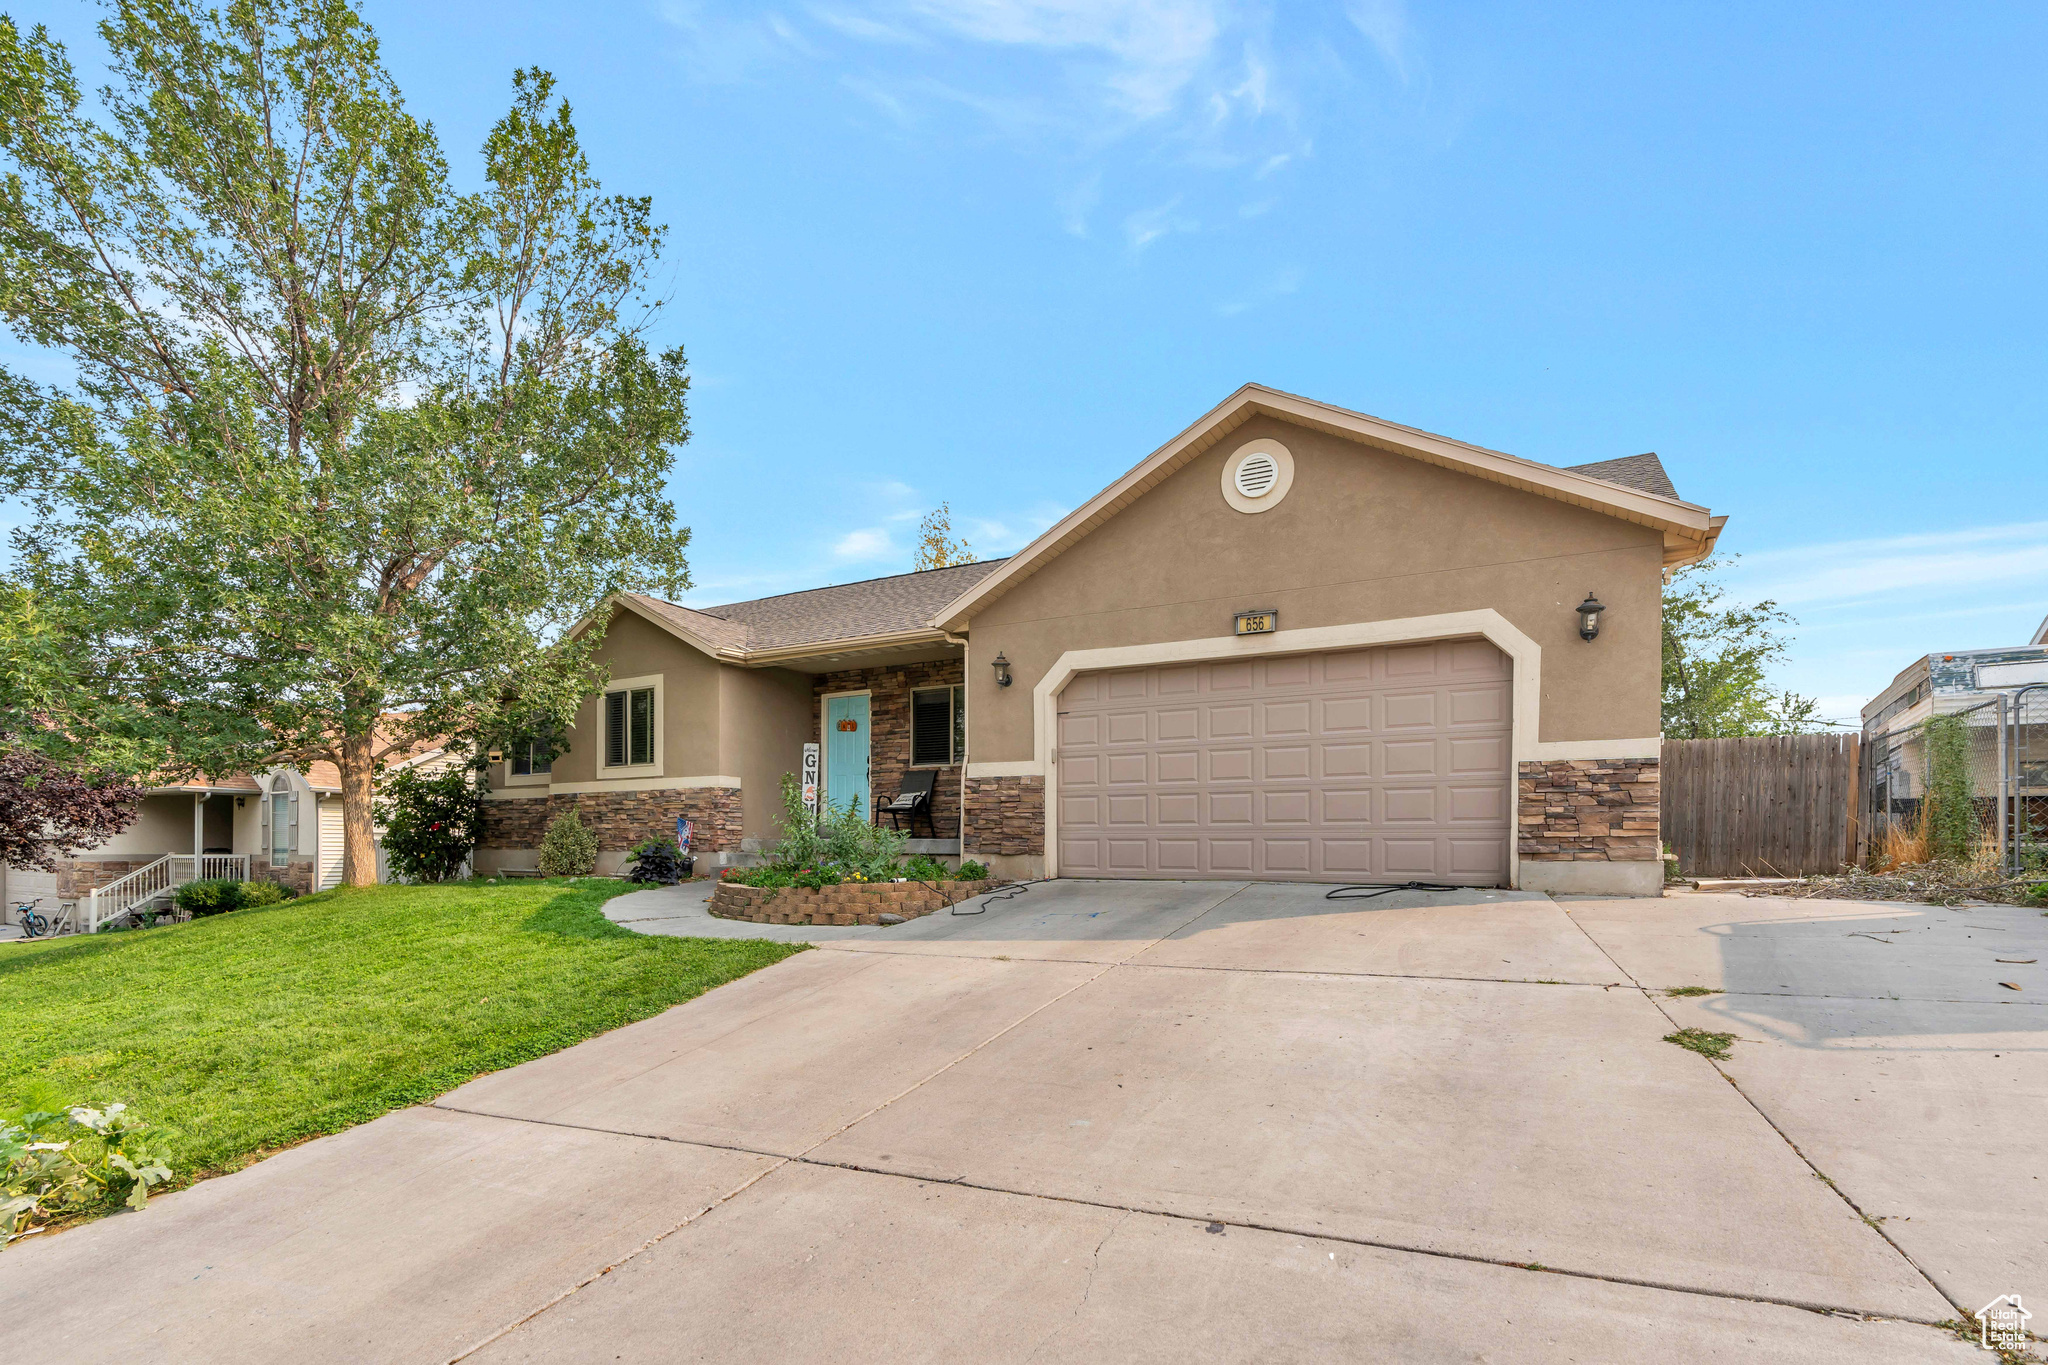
<point>1589,617</point>
<point>1002,668</point>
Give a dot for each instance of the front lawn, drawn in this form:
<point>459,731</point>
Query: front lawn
<point>248,1031</point>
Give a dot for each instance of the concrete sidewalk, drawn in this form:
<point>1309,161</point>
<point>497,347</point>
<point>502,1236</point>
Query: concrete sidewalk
<point>1160,1120</point>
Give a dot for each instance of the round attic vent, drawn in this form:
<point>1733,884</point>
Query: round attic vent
<point>1256,474</point>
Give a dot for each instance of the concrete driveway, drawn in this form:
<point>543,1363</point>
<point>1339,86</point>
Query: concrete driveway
<point>1170,1121</point>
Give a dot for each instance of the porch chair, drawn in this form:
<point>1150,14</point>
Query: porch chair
<point>913,798</point>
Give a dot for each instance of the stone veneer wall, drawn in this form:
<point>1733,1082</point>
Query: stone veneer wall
<point>297,873</point>
<point>78,878</point>
<point>889,739</point>
<point>1590,810</point>
<point>1005,816</point>
<point>619,819</point>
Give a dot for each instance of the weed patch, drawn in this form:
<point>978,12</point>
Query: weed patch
<point>1713,1046</point>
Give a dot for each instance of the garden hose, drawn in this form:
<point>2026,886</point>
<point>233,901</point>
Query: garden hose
<point>1336,893</point>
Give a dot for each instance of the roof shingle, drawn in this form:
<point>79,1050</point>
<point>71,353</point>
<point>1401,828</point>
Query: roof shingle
<point>819,616</point>
<point>1642,472</point>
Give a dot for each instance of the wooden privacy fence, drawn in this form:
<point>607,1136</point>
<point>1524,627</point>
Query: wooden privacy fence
<point>1768,806</point>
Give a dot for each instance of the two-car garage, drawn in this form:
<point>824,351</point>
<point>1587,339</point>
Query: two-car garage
<point>1381,764</point>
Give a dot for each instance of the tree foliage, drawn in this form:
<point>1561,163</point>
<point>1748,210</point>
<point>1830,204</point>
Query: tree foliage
<point>345,450</point>
<point>936,548</point>
<point>431,823</point>
<point>1717,658</point>
<point>50,810</point>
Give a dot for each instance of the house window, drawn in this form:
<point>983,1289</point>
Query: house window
<point>629,727</point>
<point>938,726</point>
<point>284,826</point>
<point>532,758</point>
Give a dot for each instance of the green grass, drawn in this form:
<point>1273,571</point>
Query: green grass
<point>1688,991</point>
<point>246,1032</point>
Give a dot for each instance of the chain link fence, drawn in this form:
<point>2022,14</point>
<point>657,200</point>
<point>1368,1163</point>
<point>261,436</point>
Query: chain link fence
<point>1969,785</point>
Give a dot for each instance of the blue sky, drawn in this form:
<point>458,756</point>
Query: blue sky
<point>993,252</point>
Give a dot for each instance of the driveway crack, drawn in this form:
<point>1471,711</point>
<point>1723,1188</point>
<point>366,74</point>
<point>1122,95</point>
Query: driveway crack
<point>1874,1224</point>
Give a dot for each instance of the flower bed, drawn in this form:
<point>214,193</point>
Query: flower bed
<point>846,903</point>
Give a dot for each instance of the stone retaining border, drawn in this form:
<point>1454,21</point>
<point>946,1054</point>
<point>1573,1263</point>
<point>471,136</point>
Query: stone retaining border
<point>846,903</point>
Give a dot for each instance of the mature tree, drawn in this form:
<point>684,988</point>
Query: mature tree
<point>345,449</point>
<point>1716,657</point>
<point>936,547</point>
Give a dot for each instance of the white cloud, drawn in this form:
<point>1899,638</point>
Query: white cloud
<point>1142,53</point>
<point>1385,25</point>
<point>992,536</point>
<point>1147,226</point>
<point>1986,559</point>
<point>868,543</point>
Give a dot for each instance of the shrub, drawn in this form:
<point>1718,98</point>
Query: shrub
<point>801,845</point>
<point>659,860</point>
<point>431,824</point>
<point>210,896</point>
<point>2038,894</point>
<point>568,849</point>
<point>57,1164</point>
<point>254,894</point>
<point>972,871</point>
<point>924,868</point>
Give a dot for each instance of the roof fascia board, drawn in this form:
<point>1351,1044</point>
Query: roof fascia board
<point>1690,530</point>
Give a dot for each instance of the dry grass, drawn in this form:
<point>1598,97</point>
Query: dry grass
<point>1902,846</point>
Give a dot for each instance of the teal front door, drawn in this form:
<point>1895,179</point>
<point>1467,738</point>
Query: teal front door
<point>846,754</point>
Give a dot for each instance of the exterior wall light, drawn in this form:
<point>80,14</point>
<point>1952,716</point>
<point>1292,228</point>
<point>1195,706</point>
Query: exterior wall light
<point>1002,668</point>
<point>1589,617</point>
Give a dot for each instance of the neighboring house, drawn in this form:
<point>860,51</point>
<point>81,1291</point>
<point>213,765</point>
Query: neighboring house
<point>1970,682</point>
<point>1294,642</point>
<point>281,825</point>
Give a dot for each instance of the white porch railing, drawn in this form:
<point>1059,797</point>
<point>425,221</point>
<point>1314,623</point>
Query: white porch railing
<point>154,880</point>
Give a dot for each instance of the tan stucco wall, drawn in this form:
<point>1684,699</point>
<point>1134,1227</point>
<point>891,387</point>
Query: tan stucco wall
<point>765,722</point>
<point>635,648</point>
<point>163,824</point>
<point>1362,535</point>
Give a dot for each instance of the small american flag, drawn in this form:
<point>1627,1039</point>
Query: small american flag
<point>682,834</point>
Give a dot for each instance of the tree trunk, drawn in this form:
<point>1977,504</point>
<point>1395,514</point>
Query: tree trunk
<point>358,828</point>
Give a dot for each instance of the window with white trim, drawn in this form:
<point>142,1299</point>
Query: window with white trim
<point>533,757</point>
<point>938,726</point>
<point>629,727</point>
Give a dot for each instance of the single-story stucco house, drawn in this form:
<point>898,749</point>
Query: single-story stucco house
<point>282,824</point>
<point>1293,642</point>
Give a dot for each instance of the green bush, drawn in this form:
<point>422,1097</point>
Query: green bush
<point>2037,894</point>
<point>210,896</point>
<point>53,1165</point>
<point>568,849</point>
<point>431,824</point>
<point>972,871</point>
<point>924,868</point>
<point>254,894</point>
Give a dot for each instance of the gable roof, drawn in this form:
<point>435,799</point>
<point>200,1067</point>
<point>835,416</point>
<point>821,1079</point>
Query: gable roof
<point>1689,530</point>
<point>876,610</point>
<point>1644,472</point>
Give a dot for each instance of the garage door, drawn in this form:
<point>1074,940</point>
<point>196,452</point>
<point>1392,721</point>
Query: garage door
<point>1386,764</point>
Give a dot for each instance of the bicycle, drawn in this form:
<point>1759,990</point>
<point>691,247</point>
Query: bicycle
<point>33,925</point>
